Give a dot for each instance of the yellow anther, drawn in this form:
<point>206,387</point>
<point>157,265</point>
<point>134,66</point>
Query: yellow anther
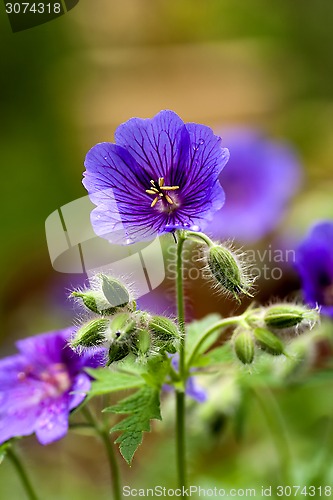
<point>168,199</point>
<point>155,200</point>
<point>159,191</point>
<point>169,188</point>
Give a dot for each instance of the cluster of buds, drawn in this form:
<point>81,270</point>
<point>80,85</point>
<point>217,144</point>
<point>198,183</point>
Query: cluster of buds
<point>119,327</point>
<point>264,328</point>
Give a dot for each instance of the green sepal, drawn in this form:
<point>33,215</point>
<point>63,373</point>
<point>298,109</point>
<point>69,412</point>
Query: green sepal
<point>268,341</point>
<point>244,346</point>
<point>95,302</point>
<point>91,334</point>
<point>114,291</point>
<point>286,315</point>
<point>227,271</point>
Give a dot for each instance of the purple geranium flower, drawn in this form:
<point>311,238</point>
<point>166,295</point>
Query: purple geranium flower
<point>314,262</point>
<point>161,174</point>
<point>259,180</point>
<point>41,385</point>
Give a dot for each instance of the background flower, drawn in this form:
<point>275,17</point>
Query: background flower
<point>260,179</point>
<point>314,262</point>
<point>161,174</point>
<point>38,386</point>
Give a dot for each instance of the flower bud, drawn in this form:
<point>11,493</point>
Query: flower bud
<point>95,302</point>
<point>114,291</point>
<point>122,336</point>
<point>268,341</point>
<point>163,328</point>
<point>122,325</point>
<point>117,352</point>
<point>228,271</point>
<point>165,333</point>
<point>143,342</point>
<point>244,347</point>
<point>91,334</point>
<point>288,315</point>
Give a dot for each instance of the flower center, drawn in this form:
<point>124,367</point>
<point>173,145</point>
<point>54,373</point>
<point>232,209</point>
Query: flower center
<point>159,191</point>
<point>55,378</point>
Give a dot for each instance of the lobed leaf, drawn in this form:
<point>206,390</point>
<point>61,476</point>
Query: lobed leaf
<point>106,381</point>
<point>142,406</point>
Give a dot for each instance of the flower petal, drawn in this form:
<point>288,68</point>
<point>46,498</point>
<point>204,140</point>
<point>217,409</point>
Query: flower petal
<point>79,390</point>
<point>52,423</point>
<point>158,145</point>
<point>45,348</point>
<point>118,186</point>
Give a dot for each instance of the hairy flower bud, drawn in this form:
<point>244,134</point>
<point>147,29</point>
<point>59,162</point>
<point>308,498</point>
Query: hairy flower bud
<point>121,326</point>
<point>228,271</point>
<point>114,291</point>
<point>117,352</point>
<point>122,336</point>
<point>91,334</point>
<point>288,315</point>
<point>95,302</point>
<point>143,342</point>
<point>244,347</point>
<point>268,341</point>
<point>165,332</point>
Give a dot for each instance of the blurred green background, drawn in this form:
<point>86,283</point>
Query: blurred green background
<point>66,85</point>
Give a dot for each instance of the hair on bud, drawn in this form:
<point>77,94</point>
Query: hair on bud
<point>91,334</point>
<point>282,316</point>
<point>229,271</point>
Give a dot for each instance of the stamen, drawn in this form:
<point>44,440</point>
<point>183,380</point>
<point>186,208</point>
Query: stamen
<point>155,200</point>
<point>169,188</point>
<point>168,199</point>
<point>158,190</point>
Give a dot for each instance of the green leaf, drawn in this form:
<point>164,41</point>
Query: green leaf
<point>217,356</point>
<point>157,368</point>
<point>142,406</point>
<point>107,381</point>
<point>195,331</point>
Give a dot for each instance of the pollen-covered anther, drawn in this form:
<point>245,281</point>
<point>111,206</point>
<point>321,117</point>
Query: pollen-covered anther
<point>159,191</point>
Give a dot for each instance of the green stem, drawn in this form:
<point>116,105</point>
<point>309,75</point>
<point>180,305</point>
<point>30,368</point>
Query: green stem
<point>220,324</point>
<point>199,236</point>
<point>278,428</point>
<point>109,448</point>
<point>180,394</point>
<point>16,461</point>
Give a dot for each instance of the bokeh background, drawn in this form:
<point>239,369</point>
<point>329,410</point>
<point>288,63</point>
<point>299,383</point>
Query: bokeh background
<point>66,85</point>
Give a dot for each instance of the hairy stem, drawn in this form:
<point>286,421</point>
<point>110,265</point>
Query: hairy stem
<point>22,473</point>
<point>103,433</point>
<point>180,394</point>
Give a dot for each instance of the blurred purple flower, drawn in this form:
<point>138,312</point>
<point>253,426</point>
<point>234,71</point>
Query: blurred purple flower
<point>192,388</point>
<point>314,262</point>
<point>161,174</point>
<point>259,180</point>
<point>41,385</point>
